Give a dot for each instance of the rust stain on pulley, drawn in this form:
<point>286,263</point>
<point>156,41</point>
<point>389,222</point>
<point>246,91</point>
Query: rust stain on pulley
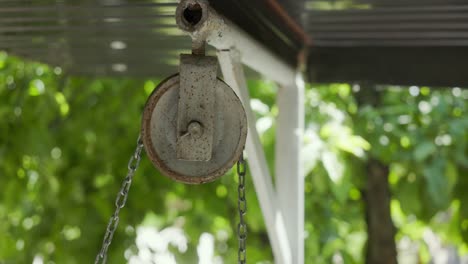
<point>159,133</point>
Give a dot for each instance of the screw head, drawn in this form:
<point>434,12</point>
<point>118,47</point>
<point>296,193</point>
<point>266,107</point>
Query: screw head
<point>195,129</point>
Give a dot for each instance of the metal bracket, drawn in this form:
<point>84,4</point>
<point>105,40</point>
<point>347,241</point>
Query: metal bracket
<point>196,104</point>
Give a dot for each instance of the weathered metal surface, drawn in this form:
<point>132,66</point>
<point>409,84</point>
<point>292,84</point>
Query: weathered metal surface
<point>196,107</point>
<point>159,133</point>
<point>191,15</point>
<point>223,35</point>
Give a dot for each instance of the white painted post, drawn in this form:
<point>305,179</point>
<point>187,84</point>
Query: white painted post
<point>283,209</point>
<point>288,168</point>
<point>233,73</point>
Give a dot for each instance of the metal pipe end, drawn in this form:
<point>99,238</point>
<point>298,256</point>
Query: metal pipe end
<point>191,14</point>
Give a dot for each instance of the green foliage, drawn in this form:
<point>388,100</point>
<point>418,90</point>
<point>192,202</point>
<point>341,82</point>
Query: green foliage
<point>422,134</point>
<point>65,143</point>
<point>334,211</point>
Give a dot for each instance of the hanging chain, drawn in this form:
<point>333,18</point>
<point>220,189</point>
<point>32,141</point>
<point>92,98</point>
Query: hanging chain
<point>120,202</point>
<point>242,206</point>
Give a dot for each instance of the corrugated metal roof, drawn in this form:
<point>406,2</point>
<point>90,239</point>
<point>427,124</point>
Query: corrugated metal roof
<point>388,41</point>
<point>390,25</point>
<point>119,37</point>
<point>361,40</point>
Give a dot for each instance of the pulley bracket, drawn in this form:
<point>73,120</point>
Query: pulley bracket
<point>194,126</point>
<point>196,107</point>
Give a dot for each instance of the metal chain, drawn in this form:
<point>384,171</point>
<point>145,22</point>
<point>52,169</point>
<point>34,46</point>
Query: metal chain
<point>242,206</point>
<point>120,202</point>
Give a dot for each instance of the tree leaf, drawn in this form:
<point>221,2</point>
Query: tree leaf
<point>437,183</point>
<point>423,150</point>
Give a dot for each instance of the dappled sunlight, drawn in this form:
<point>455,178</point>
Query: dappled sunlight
<point>206,250</point>
<point>164,246</point>
<point>65,143</point>
<point>153,245</point>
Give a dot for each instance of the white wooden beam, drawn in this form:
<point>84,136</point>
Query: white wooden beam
<point>288,168</point>
<point>234,76</point>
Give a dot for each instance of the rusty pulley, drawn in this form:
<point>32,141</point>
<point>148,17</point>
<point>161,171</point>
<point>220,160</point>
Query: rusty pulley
<point>194,126</point>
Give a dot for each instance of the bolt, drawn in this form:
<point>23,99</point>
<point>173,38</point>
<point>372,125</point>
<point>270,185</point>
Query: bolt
<point>193,14</point>
<point>195,129</point>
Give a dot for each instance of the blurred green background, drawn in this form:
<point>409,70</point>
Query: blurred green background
<point>65,142</point>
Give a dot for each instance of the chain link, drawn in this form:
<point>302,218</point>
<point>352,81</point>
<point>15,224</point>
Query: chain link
<point>120,201</point>
<point>242,206</point>
<point>123,195</point>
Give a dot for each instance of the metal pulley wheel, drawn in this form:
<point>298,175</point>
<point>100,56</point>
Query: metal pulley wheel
<point>194,126</point>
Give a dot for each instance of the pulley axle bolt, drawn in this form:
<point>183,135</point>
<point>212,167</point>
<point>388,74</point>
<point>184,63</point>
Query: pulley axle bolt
<point>195,129</point>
